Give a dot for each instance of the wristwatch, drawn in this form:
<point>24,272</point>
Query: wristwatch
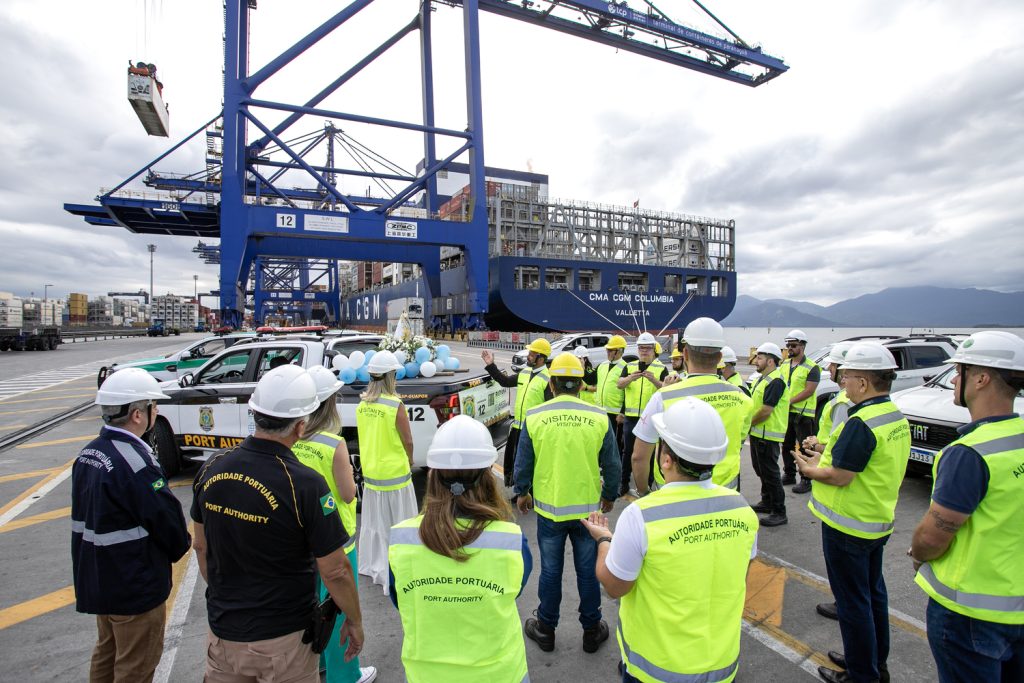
<point>603,539</point>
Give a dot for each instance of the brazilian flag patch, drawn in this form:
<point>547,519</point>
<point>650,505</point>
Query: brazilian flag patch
<point>328,504</point>
<point>159,484</point>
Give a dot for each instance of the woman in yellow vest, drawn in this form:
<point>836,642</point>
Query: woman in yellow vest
<point>385,453</point>
<point>322,450</point>
<point>457,569</point>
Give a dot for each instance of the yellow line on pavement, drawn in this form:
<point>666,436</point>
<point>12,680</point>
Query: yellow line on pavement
<point>57,442</point>
<point>50,398</point>
<point>766,588</point>
<point>13,427</point>
<point>177,571</point>
<point>37,606</point>
<point>32,410</point>
<point>91,418</point>
<point>57,471</point>
<point>27,475</point>
<point>35,519</point>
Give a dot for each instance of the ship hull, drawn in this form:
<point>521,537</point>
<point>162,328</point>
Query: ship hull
<point>516,305</point>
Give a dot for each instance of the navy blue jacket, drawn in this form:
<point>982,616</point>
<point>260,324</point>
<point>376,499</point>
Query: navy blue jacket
<point>127,528</point>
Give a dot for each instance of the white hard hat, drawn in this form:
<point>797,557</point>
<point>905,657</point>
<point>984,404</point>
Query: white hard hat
<point>868,356</point>
<point>461,443</point>
<point>694,431</point>
<point>581,352</point>
<point>728,355</point>
<point>646,339</point>
<point>287,391</point>
<point>382,363</point>
<point>771,349</point>
<point>704,332</point>
<point>128,386</point>
<point>991,349</point>
<point>796,335</point>
<point>837,354</point>
<point>327,383</point>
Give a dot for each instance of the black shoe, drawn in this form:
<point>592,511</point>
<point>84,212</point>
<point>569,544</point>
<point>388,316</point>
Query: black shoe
<point>840,661</point>
<point>832,676</point>
<point>788,479</point>
<point>774,519</point>
<point>593,636</point>
<point>762,507</point>
<point>803,487</point>
<point>542,634</point>
<point>837,658</point>
<point>829,611</point>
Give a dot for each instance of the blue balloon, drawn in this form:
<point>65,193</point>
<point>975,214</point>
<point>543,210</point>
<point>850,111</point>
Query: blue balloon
<point>368,356</point>
<point>443,352</point>
<point>348,375</point>
<point>412,369</point>
<point>422,354</point>
<point>400,373</point>
<point>363,374</point>
<point>452,363</point>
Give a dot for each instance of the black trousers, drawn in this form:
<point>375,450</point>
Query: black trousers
<point>616,428</point>
<point>765,458</point>
<point>799,428</point>
<point>511,447</point>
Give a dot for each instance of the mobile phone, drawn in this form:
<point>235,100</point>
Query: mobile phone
<point>642,365</point>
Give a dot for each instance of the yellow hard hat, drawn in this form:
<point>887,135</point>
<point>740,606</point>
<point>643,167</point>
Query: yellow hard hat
<point>616,342</point>
<point>676,353</point>
<point>721,365</point>
<point>541,346</point>
<point>566,364</point>
<point>657,348</point>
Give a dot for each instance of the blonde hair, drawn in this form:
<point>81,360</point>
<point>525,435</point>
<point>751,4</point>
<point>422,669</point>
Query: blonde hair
<point>379,385</point>
<point>325,418</point>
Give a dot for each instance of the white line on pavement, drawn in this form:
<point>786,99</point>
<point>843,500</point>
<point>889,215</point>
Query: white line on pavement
<point>780,648</point>
<point>179,613</point>
<point>811,575</point>
<point>38,495</point>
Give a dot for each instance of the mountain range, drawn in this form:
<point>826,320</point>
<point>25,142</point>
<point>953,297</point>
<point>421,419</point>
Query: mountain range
<point>893,307</point>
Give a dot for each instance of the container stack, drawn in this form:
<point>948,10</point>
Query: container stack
<point>101,312</point>
<point>10,310</point>
<point>78,309</point>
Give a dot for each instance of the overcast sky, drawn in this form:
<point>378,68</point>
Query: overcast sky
<point>891,153</point>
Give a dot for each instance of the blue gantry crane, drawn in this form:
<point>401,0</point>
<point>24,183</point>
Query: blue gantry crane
<point>287,240</point>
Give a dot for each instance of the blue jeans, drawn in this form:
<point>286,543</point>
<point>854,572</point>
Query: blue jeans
<point>855,574</point>
<point>968,650</point>
<point>551,539</point>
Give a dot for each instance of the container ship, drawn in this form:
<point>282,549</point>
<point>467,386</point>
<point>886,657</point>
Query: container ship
<point>560,266</point>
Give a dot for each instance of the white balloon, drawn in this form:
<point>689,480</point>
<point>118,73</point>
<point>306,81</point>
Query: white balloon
<point>357,358</point>
<point>428,369</point>
<point>439,364</point>
<point>341,362</point>
<point>400,356</point>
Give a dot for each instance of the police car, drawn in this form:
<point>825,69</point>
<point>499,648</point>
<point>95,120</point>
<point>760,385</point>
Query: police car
<point>209,411</point>
<point>188,359</point>
<point>933,418</point>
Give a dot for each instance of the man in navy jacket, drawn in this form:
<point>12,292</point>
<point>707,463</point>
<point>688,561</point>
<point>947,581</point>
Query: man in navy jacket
<point>127,528</point>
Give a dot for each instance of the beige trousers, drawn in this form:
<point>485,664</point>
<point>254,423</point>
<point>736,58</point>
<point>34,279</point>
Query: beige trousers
<point>279,660</point>
<point>129,647</point>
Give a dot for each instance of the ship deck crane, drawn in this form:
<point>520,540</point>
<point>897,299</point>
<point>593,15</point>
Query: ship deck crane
<point>258,218</point>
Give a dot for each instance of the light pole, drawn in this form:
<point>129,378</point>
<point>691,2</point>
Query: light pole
<point>45,287</point>
<point>195,288</point>
<point>151,248</point>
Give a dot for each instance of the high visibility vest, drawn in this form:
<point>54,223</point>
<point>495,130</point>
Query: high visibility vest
<point>638,392</point>
<point>735,380</point>
<point>833,416</point>
<point>681,620</point>
<point>774,428</point>
<point>796,380</point>
<point>567,435</point>
<point>381,453</point>
<point>981,574</point>
<point>529,393</point>
<point>866,508</point>
<point>460,618</point>
<point>731,404</point>
<point>317,453</point>
<point>588,397</point>
<point>609,396</point>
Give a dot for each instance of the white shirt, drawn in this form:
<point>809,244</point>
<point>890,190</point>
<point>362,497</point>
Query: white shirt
<point>145,446</point>
<point>629,543</point>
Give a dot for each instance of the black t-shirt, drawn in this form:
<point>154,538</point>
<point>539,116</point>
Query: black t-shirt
<point>266,517</point>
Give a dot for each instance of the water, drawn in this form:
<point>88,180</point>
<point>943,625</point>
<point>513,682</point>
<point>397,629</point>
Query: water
<point>742,339</point>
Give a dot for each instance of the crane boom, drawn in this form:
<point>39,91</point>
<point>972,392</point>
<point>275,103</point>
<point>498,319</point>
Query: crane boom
<point>648,34</point>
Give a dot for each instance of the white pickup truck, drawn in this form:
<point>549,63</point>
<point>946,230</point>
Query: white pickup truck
<point>209,410</point>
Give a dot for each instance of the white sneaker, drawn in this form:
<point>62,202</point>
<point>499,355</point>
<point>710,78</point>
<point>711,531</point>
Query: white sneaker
<point>369,673</point>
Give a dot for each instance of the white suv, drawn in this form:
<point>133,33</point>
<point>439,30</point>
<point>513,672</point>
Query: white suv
<point>933,417</point>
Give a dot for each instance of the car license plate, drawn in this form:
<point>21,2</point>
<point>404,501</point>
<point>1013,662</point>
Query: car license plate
<point>922,455</point>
